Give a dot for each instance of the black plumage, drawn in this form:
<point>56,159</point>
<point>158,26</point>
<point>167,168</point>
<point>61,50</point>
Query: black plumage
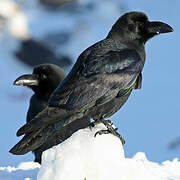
<point>43,81</point>
<point>103,77</point>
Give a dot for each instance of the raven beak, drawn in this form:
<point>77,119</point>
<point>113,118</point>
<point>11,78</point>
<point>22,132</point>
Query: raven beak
<point>27,80</point>
<point>156,27</point>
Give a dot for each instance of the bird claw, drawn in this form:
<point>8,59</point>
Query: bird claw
<point>115,133</point>
<point>110,129</point>
<point>102,132</point>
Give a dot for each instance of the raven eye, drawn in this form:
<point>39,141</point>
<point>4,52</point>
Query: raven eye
<point>43,76</point>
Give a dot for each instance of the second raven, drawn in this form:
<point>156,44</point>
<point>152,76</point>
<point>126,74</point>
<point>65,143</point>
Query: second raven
<point>43,81</point>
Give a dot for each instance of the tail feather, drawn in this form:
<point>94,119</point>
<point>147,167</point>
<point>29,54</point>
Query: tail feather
<point>29,142</point>
<point>35,139</point>
<point>50,136</point>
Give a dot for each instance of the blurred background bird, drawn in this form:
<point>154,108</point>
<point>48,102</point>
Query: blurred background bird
<point>43,81</point>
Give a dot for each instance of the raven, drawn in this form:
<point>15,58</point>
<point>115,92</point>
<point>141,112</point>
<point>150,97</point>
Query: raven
<point>102,78</point>
<point>43,81</point>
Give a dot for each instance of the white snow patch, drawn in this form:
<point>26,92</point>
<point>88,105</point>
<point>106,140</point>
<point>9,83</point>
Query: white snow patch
<point>102,158</point>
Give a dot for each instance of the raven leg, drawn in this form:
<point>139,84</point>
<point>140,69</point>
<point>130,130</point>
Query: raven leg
<point>110,129</point>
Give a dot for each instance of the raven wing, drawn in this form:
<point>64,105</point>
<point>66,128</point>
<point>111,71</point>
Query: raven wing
<point>99,76</point>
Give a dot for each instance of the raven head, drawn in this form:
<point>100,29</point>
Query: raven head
<point>135,26</point>
<point>45,78</point>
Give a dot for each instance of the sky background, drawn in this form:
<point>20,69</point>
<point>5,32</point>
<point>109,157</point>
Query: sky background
<point>149,120</point>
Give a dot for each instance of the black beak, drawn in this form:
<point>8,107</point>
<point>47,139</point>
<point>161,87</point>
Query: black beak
<point>27,80</point>
<point>156,27</point>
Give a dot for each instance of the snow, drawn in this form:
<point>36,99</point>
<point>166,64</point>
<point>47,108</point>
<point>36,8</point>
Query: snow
<point>101,158</point>
<point>84,156</point>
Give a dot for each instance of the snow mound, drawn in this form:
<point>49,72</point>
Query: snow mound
<point>83,157</point>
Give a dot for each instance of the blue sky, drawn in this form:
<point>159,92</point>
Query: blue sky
<point>150,118</point>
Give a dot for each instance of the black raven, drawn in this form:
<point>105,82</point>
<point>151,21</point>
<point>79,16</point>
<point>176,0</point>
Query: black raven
<point>43,81</point>
<point>103,76</point>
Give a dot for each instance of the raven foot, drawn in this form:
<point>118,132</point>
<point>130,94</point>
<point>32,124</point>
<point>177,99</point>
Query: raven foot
<point>110,129</point>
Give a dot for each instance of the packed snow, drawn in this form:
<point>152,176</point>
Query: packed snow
<point>85,157</point>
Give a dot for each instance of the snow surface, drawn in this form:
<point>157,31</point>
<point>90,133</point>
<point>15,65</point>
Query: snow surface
<point>83,157</point>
